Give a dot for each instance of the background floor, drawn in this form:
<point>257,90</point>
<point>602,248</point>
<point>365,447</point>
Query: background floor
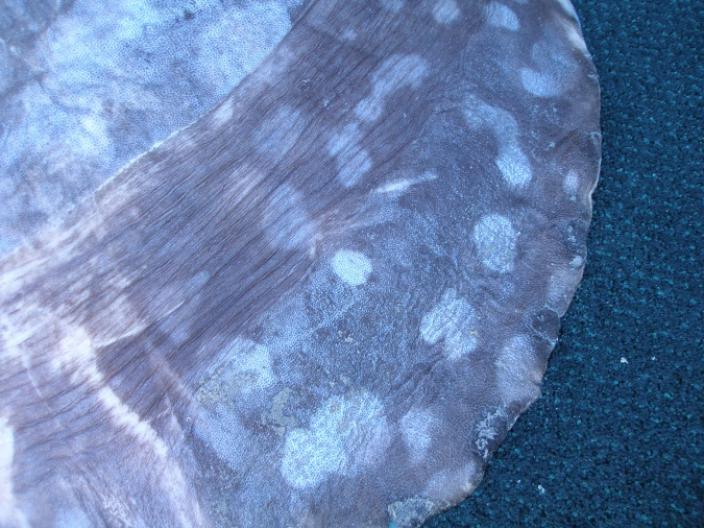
<point>618,437</point>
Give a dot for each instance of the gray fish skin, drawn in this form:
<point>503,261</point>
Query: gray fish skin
<point>326,301</point>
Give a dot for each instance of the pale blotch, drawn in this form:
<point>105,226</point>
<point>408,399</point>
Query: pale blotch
<point>392,5</point>
<point>451,485</point>
<point>495,241</point>
<point>396,72</point>
<point>511,161</point>
<point>539,84</point>
<point>403,184</point>
<point>554,72</point>
<point>410,513</point>
<point>243,367</point>
<point>286,220</point>
<point>454,321</point>
<point>514,165</point>
<point>573,34</point>
<point>344,435</point>
<point>279,132</point>
<point>562,286</point>
<point>568,7</point>
<point>417,427</point>
<point>353,162</point>
<point>352,267</point>
<point>571,184</point>
<point>446,11</point>
<point>518,374</point>
<point>502,16</point>
<point>224,112</point>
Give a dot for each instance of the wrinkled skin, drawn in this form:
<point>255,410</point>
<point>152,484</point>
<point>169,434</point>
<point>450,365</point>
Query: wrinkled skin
<point>326,301</point>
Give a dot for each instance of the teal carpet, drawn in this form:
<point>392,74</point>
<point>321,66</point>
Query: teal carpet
<point>620,442</point>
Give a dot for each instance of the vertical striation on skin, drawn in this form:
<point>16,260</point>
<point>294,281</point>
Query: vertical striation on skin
<point>326,301</point>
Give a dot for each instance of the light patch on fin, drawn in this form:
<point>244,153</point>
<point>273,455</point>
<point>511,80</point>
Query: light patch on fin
<point>353,162</point>
<point>450,485</point>
<point>410,513</point>
<point>392,5</point>
<point>568,7</point>
<point>403,184</point>
<point>417,427</point>
<point>495,241</point>
<point>501,16</point>
<point>539,83</point>
<point>453,320</point>
<point>279,133</point>
<point>244,367</point>
<point>286,220</point>
<point>344,435</point>
<point>511,161</point>
<point>446,11</point>
<point>352,267</point>
<point>396,72</point>
<point>553,73</point>
<point>224,112</point>
<point>571,184</point>
<point>562,286</point>
<point>517,373</point>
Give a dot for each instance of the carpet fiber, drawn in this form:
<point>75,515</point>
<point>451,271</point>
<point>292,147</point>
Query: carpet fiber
<point>617,438</point>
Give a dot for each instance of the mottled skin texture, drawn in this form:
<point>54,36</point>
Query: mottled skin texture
<point>326,301</point>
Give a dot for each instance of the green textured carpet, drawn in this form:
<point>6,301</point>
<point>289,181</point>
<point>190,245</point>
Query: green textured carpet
<point>620,442</point>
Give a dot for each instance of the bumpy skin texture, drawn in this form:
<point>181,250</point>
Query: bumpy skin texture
<point>325,302</point>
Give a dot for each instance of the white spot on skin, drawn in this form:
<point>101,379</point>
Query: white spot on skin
<point>286,220</point>
<point>244,366</point>
<point>495,242</point>
<point>344,435</point>
<point>402,185</point>
<point>450,485</point>
<point>624,361</point>
<point>417,426</point>
<point>453,320</point>
<point>554,70</point>
<point>410,512</point>
<point>541,489</point>
<point>571,184</point>
<point>279,133</point>
<point>577,261</point>
<point>561,288</point>
<point>351,266</point>
<point>446,11</point>
<point>540,84</point>
<point>502,16</point>
<point>396,72</point>
<point>511,161</point>
<point>517,372</point>
<point>568,7</point>
<point>392,5</point>
<point>223,113</point>
<point>574,35</point>
<point>353,162</point>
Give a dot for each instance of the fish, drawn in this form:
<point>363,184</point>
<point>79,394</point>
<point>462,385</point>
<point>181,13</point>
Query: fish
<point>326,300</point>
